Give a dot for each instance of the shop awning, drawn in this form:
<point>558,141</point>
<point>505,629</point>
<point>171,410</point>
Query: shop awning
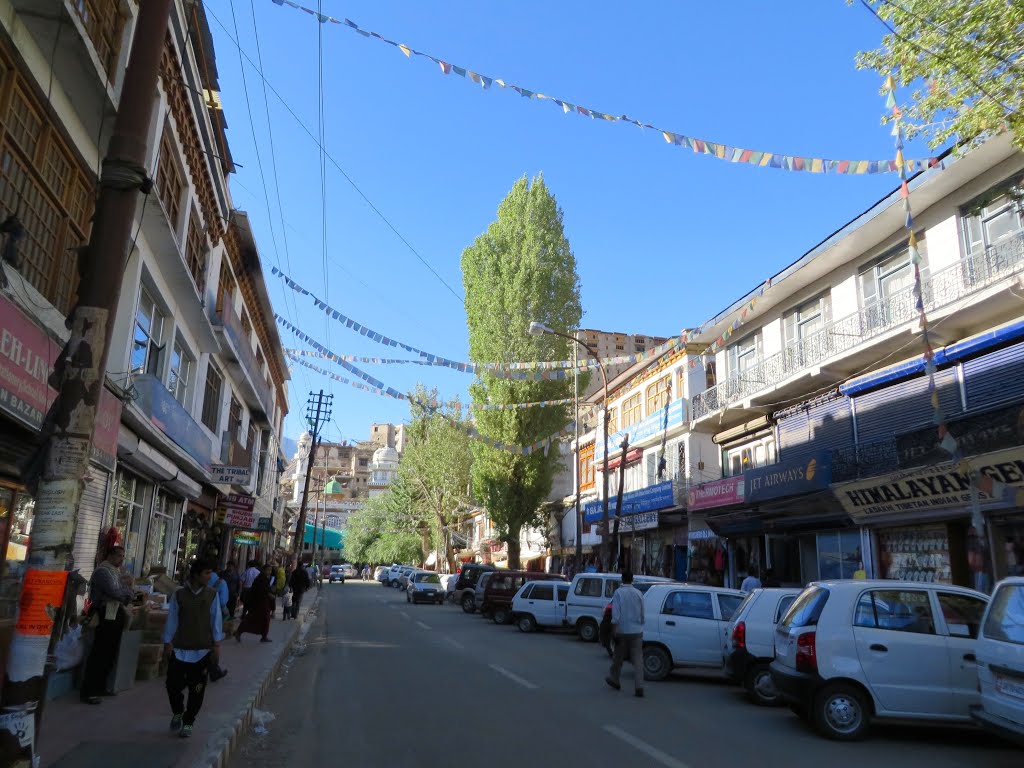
<point>616,459</point>
<point>816,510</point>
<point>326,537</point>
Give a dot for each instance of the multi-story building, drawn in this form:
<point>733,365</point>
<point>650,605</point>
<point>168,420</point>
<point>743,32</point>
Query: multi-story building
<point>388,436</point>
<point>610,344</point>
<point>808,443</point>
<point>196,376</point>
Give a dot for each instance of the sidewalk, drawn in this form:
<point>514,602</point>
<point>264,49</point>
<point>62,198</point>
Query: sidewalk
<point>131,729</point>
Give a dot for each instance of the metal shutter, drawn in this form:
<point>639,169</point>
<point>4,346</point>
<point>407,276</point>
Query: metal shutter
<point>995,378</point>
<point>904,407</point>
<point>821,426</point>
<point>90,521</point>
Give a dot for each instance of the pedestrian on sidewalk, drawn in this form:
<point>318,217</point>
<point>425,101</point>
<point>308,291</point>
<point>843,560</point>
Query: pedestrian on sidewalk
<point>192,637</point>
<point>752,582</point>
<point>259,607</point>
<point>231,578</point>
<point>252,571</point>
<point>107,598</point>
<point>299,584</point>
<point>628,631</point>
<point>220,587</point>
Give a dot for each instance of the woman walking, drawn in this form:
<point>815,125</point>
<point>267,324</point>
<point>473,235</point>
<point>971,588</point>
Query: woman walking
<point>259,607</point>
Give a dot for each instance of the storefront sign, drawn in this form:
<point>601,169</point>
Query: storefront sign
<point>639,522</point>
<point>238,511</point>
<point>247,539</point>
<point>238,501</point>
<point>929,488</point>
<point>223,475</point>
<point>720,493</point>
<point>167,415</point>
<point>26,355</point>
<point>670,415</point>
<point>788,478</point>
<point>42,595</point>
<point>264,524</point>
<point>645,500</point>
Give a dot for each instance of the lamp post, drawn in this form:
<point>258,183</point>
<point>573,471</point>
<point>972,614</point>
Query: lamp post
<point>539,329</point>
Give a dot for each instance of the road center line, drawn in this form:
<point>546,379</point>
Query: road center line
<point>454,643</point>
<point>639,744</point>
<point>421,625</point>
<point>513,677</point>
<point>404,615</point>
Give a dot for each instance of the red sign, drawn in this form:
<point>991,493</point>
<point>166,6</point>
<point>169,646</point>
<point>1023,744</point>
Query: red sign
<point>238,511</point>
<point>27,354</point>
<point>42,594</point>
<point>720,493</point>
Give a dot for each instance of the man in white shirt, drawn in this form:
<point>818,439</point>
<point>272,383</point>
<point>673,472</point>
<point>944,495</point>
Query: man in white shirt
<point>751,582</point>
<point>192,637</point>
<point>628,631</point>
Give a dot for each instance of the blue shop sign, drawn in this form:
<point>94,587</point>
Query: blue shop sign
<point>167,415</point>
<point>645,500</point>
<point>813,473</point>
<point>670,415</point>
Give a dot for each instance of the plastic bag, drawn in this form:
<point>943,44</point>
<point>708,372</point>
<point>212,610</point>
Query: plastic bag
<point>69,650</point>
<point>260,719</point>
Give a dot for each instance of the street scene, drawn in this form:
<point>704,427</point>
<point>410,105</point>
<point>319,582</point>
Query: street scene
<point>409,384</point>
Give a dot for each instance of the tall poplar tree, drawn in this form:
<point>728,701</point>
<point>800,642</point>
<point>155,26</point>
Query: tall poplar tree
<point>520,270</point>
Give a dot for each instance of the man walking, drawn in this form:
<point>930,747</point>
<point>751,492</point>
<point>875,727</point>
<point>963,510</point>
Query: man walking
<point>628,631</point>
<point>299,583</point>
<point>107,595</point>
<point>192,638</point>
<point>252,571</point>
<point>220,586</point>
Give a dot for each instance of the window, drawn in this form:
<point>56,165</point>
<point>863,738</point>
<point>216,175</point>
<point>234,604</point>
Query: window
<point>589,587</point>
<point>162,527</point>
<point>527,592</point>
<point>105,26</point>
<point>995,220</point>
<point>620,347</point>
<point>839,555</point>
<point>364,463</point>
<point>169,184</point>
<point>694,605</point>
<point>896,610</point>
<point>1005,620</point>
<point>563,592</point>
<point>246,325</point>
<point>542,592</point>
<point>710,374</point>
<point>147,348</point>
<point>51,190</point>
<point>225,288</point>
<point>744,355</point>
<point>885,289</point>
<point>962,614</point>
<point>612,415</point>
<point>807,608</point>
<point>610,585</point>
<point>195,251</point>
<point>728,604</point>
<point>180,377</point>
<point>263,467</point>
<point>587,468</point>
<point>806,320</point>
<point>784,605</point>
<point>128,503</point>
<point>757,453</point>
<point>211,399</point>
<point>631,412</point>
<point>658,394</point>
<point>235,420</point>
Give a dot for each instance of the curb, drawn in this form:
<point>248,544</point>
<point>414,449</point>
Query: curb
<point>221,744</point>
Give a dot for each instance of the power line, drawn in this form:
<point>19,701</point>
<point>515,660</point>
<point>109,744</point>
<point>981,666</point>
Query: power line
<point>321,127</point>
<point>335,163</point>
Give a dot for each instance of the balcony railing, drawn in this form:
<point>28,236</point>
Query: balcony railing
<point>974,273</point>
<point>227,321</point>
<point>233,453</point>
<point>166,414</point>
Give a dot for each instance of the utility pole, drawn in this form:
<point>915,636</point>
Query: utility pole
<point>318,413</point>
<point>613,544</point>
<point>576,406</point>
<point>59,469</point>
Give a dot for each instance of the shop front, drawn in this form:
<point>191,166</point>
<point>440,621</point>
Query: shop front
<point>644,534</point>
<point>934,524</point>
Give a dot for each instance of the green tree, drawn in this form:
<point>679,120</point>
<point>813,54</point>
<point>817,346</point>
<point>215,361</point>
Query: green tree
<point>385,529</point>
<point>520,270</point>
<point>964,59</point>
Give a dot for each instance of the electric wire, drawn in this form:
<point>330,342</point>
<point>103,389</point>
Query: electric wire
<point>321,128</point>
<point>335,163</point>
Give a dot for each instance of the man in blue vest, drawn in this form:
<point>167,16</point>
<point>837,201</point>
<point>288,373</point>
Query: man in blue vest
<point>192,638</point>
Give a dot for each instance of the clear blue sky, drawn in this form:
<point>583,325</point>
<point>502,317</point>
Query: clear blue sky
<point>664,239</point>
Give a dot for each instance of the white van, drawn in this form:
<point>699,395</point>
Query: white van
<point>539,604</point>
<point>589,593</point>
<point>1000,652</point>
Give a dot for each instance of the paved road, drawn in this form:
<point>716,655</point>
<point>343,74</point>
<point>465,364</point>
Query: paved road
<point>384,683</point>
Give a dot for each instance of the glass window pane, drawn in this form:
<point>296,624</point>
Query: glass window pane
<point>1000,226</point>
<point>1006,618</point>
<point>695,605</point>
<point>543,592</point>
<point>962,614</point>
<point>904,611</point>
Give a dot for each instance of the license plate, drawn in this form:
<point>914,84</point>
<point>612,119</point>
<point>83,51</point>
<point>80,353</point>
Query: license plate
<point>1010,687</point>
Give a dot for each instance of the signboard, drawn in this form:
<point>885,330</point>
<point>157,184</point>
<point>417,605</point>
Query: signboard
<point>720,493</point>
<point>645,500</point>
<point>223,475</point>
<point>668,416</point>
<point>639,522</point>
<point>932,488</point>
<point>264,524</point>
<point>238,511</point>
<point>244,538</point>
<point>789,478</point>
<point>26,354</point>
<point>167,415</point>
<point>42,595</point>
<point>238,501</point>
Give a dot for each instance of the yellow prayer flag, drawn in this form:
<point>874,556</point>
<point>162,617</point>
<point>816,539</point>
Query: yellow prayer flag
<point>816,165</point>
<point>890,85</point>
<point>405,49</point>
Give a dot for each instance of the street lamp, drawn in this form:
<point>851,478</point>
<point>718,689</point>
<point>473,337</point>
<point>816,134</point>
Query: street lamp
<point>539,329</point>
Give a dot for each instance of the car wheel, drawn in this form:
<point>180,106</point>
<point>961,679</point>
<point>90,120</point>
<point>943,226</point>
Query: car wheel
<point>841,713</point>
<point>760,686</point>
<point>657,663</point>
<point>468,603</point>
<point>440,601</point>
<point>527,623</point>
<point>502,616</point>
<point>587,630</point>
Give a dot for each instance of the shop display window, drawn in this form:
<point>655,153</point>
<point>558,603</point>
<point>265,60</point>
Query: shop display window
<point>916,554</point>
<point>839,555</point>
<point>16,514</point>
<point>127,507</point>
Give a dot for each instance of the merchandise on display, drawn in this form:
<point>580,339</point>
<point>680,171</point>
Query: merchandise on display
<point>916,554</point>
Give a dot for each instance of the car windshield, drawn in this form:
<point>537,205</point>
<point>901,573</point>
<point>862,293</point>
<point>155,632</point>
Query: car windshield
<point>1006,616</point>
<point>428,578</point>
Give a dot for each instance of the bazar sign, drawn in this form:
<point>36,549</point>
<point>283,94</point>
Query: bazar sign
<point>927,488</point>
<point>645,500</point>
<point>789,479</point>
<point>730,490</point>
<point>26,354</point>
<point>670,415</point>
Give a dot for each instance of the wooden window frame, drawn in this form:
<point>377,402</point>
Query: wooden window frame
<point>632,410</point>
<point>170,183</point>
<point>195,251</point>
<point>211,411</point>
<point>658,394</point>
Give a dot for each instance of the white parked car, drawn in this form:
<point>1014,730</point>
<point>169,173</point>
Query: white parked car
<point>589,593</point>
<point>424,586</point>
<point>390,577</point>
<point>349,570</point>
<point>684,626</point>
<point>539,604</point>
<point>849,652</point>
<point>750,641</point>
<point>1000,652</point>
